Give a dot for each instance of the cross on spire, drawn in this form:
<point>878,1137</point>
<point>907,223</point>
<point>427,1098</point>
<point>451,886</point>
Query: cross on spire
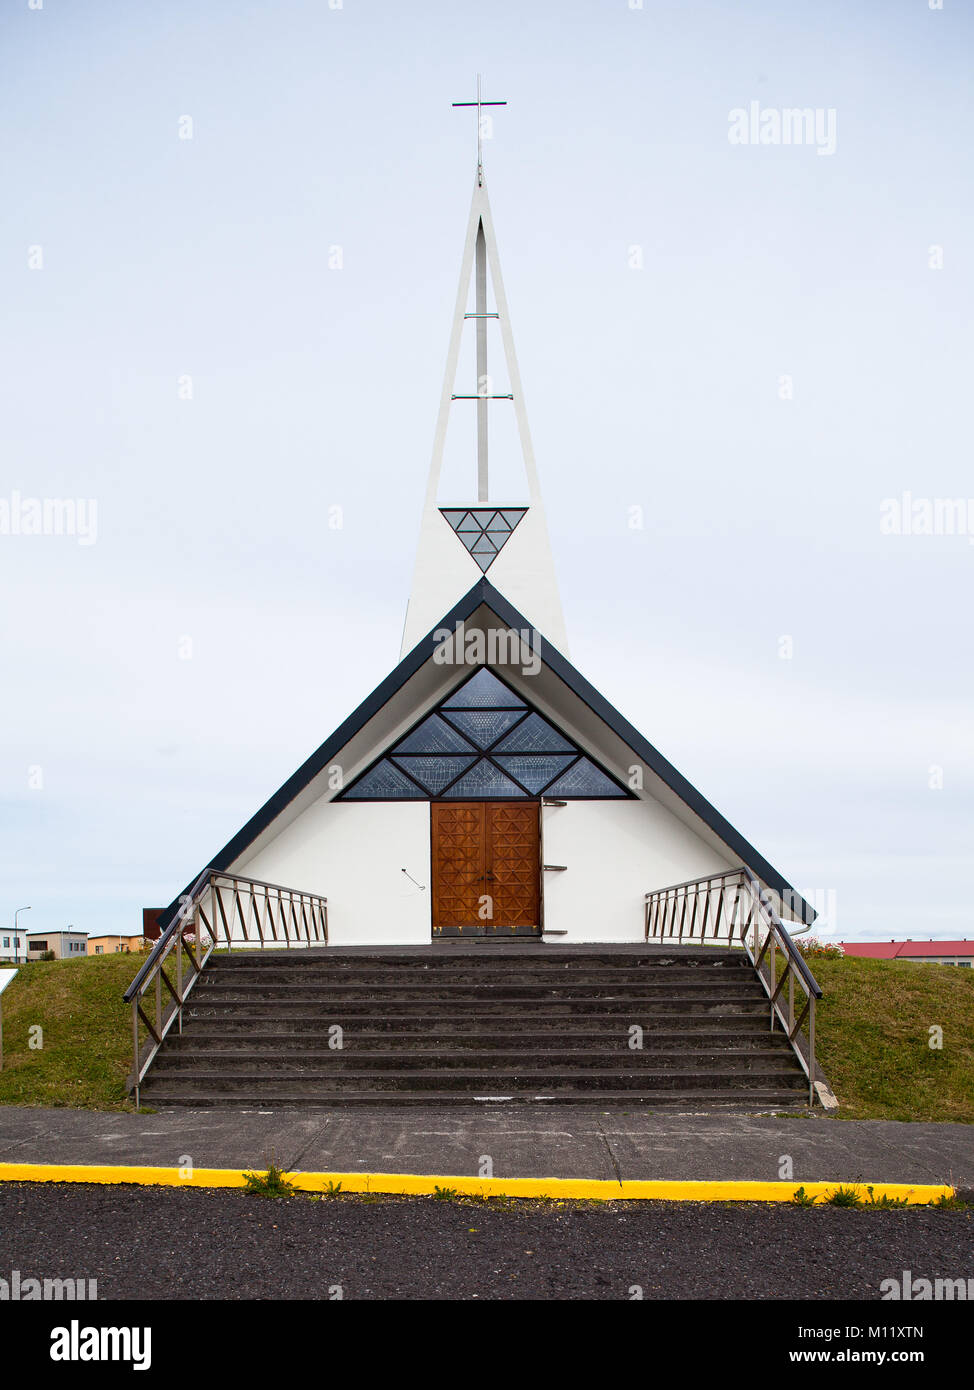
<point>480,104</point>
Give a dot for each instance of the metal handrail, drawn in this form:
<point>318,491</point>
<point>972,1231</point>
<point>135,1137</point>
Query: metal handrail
<point>158,951</point>
<point>663,905</point>
<point>290,916</point>
<point>798,960</point>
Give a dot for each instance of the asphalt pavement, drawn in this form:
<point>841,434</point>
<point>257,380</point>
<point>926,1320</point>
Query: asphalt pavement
<point>192,1243</point>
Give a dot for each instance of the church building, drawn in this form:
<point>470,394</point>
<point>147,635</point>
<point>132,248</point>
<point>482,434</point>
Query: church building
<point>485,789</point>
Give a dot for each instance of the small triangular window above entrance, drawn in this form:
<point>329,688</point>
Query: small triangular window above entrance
<point>483,742</point>
<point>484,531</point>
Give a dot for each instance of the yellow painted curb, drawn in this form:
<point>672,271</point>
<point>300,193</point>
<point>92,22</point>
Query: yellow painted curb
<point>424,1185</point>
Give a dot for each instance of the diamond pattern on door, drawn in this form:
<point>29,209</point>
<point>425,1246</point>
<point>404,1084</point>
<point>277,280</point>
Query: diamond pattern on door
<point>459,863</point>
<point>514,862</point>
<point>486,861</point>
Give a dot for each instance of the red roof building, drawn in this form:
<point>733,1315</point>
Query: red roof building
<point>932,952</point>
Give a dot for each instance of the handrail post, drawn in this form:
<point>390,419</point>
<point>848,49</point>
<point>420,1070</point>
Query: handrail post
<point>135,1047</point>
<point>179,978</point>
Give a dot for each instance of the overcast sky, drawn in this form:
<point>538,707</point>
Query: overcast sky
<point>756,344</point>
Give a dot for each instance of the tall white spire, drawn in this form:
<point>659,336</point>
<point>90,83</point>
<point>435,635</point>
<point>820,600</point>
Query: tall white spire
<point>462,538</point>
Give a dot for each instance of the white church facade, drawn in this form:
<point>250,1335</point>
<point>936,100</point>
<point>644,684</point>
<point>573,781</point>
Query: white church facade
<point>486,789</point>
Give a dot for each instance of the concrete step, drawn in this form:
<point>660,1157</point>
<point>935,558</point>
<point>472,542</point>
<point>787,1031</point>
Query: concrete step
<point>445,987</point>
<point>484,956</point>
<point>506,1000</point>
<point>744,1101</point>
<point>245,1023</point>
<point>493,1017</point>
<point>432,1061</point>
<point>323,1081</point>
<point>315,976</point>
<point>554,1043</point>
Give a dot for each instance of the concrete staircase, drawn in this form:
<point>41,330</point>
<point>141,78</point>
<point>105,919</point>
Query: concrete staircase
<point>468,1023</point>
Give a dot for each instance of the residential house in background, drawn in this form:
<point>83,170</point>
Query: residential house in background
<point>66,945</point>
<point>113,945</point>
<point>13,945</point>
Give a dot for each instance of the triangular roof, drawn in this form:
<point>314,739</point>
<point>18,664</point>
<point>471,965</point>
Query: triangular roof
<point>481,596</point>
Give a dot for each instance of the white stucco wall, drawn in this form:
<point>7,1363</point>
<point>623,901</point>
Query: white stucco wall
<point>615,852</point>
<point>354,854</point>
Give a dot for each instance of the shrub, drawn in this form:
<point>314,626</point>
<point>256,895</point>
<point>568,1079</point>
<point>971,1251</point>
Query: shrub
<point>273,1183</point>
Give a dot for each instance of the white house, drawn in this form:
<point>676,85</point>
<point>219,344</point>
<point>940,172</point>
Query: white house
<point>486,788</point>
<point>13,944</point>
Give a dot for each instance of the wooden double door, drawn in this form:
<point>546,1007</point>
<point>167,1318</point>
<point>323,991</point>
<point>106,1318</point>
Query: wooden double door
<point>486,868</point>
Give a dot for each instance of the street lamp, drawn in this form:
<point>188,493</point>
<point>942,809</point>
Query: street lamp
<point>16,915</point>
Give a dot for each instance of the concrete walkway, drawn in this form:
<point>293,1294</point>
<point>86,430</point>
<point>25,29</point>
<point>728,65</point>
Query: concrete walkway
<point>521,1141</point>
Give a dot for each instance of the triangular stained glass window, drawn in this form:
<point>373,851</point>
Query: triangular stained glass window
<point>384,783</point>
<point>584,779</point>
<point>483,782</point>
<point>534,771</point>
<point>482,531</point>
<point>433,736</point>
<point>435,772</point>
<point>535,735</point>
<point>484,726</point>
<point>483,691</point>
<point>483,742</point>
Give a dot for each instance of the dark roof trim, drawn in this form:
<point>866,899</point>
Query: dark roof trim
<point>483,592</point>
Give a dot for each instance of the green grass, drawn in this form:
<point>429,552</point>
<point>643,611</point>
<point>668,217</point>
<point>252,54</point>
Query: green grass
<point>872,1038</point>
<point>87,1033</point>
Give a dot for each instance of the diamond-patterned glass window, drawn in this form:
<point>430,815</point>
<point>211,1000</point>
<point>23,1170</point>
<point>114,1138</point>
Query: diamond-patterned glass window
<point>483,531</point>
<point>484,726</point>
<point>483,743</point>
<point>434,735</point>
<point>583,779</point>
<point>534,772</point>
<point>434,773</point>
<point>484,782</point>
<point>384,783</point>
<point>535,735</point>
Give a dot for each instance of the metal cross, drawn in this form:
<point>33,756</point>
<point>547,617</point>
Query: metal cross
<point>479,103</point>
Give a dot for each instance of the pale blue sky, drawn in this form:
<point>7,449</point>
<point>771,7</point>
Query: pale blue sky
<point>315,127</point>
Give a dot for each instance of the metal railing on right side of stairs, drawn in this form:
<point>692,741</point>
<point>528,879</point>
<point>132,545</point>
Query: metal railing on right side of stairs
<point>732,908</point>
<point>221,909</point>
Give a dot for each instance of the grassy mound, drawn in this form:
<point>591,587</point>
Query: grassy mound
<point>86,1033</point>
<point>873,1038</point>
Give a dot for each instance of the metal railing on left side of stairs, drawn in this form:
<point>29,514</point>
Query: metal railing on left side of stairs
<point>220,909</point>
